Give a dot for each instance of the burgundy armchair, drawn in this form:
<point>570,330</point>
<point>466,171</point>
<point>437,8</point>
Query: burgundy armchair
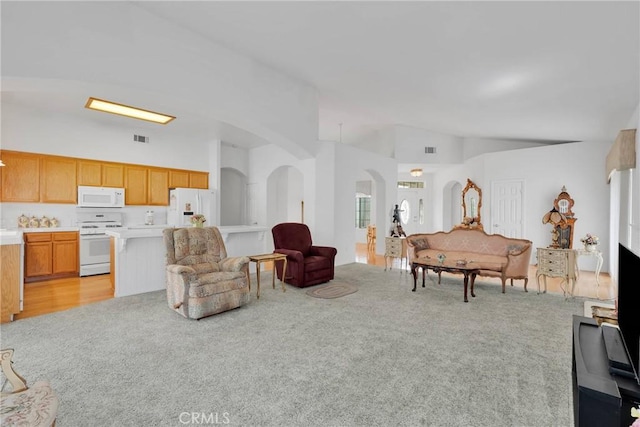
<point>307,264</point>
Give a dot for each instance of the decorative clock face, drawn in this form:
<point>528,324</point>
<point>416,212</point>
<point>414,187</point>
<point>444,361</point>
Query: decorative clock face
<point>563,205</point>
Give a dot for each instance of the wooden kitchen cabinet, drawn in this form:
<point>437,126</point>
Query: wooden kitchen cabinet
<point>20,177</point>
<point>199,180</point>
<point>178,179</point>
<point>58,182</point>
<point>32,177</point>
<point>158,187</point>
<point>100,174</point>
<point>113,175</point>
<point>136,185</point>
<point>38,255</point>
<point>89,173</point>
<point>9,282</point>
<point>65,253</point>
<point>50,255</point>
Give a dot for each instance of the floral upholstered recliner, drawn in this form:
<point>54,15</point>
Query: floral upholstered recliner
<point>201,279</point>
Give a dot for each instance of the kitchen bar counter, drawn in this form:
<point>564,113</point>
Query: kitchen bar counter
<point>139,254</point>
<point>138,261</point>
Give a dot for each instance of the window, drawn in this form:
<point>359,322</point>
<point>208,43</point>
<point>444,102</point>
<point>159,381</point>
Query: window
<point>363,211</point>
<point>405,212</point>
<point>410,184</point>
<point>421,211</point>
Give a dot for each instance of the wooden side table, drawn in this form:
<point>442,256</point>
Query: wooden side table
<point>258,259</point>
<point>557,263</point>
<point>395,247</point>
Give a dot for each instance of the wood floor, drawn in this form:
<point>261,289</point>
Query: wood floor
<point>62,294</point>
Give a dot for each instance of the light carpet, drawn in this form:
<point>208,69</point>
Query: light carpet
<point>332,290</point>
<point>379,357</point>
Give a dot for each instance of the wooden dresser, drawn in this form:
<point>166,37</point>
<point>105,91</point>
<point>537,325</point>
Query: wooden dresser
<point>395,247</point>
<point>557,263</point>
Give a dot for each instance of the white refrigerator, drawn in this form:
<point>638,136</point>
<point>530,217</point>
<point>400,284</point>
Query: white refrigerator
<point>186,202</point>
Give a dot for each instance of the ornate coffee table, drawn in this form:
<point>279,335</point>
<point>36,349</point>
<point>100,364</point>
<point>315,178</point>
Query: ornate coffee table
<point>468,270</point>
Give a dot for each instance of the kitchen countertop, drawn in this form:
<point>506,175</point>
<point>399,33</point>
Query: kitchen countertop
<point>144,231</point>
<point>47,230</point>
<point>147,227</point>
<point>135,233</point>
<point>10,237</point>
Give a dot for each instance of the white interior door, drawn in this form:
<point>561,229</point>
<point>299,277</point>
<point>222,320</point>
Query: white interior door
<point>409,215</point>
<point>506,208</point>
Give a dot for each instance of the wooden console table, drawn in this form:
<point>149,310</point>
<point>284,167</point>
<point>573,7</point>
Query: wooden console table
<point>258,259</point>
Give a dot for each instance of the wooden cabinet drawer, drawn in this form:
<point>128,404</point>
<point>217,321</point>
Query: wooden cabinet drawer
<point>65,235</point>
<point>37,237</point>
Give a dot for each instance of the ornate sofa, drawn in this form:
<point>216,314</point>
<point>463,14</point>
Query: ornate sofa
<point>201,279</point>
<point>498,256</point>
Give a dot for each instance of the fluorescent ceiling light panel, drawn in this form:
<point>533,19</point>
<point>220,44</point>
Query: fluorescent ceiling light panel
<point>125,110</point>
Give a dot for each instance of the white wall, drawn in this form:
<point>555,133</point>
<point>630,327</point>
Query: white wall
<point>410,143</point>
<point>475,146</point>
<point>544,170</point>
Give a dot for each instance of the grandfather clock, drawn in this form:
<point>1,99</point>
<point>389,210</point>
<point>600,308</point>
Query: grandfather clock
<point>564,204</point>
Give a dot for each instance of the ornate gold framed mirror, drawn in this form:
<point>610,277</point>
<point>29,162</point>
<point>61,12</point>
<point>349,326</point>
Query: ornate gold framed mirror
<point>471,206</point>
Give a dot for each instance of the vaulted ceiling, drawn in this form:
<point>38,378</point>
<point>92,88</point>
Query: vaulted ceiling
<point>536,71</point>
<point>519,70</point>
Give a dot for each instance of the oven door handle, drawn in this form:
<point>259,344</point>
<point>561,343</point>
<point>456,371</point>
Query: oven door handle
<point>93,236</point>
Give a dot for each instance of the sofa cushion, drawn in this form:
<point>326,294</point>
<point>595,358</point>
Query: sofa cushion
<point>485,261</point>
<point>315,263</point>
<point>420,243</point>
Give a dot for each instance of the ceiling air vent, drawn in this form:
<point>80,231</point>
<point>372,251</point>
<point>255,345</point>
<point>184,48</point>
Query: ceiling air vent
<point>429,150</point>
<point>140,138</point>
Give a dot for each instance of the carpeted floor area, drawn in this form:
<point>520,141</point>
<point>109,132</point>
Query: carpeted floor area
<point>381,356</point>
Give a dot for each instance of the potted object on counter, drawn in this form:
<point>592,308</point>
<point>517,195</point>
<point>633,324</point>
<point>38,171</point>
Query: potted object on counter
<point>23,221</point>
<point>34,222</point>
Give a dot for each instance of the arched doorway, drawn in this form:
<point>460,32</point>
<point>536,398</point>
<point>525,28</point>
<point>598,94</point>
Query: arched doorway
<point>233,197</point>
<point>451,205</point>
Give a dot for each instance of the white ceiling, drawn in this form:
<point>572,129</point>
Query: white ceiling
<point>541,71</point>
<point>548,71</point>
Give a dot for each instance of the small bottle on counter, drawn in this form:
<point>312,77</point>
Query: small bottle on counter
<point>148,218</point>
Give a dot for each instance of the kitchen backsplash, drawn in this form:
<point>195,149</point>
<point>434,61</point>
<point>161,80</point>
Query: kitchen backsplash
<point>66,214</point>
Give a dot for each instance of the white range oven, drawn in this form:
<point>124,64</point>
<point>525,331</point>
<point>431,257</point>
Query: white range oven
<point>94,243</point>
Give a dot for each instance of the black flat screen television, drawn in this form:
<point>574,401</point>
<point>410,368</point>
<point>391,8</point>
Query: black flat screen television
<point>629,302</point>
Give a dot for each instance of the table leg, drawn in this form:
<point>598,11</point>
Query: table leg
<point>414,272</point>
<point>473,281</point>
<point>466,282</point>
<point>284,274</point>
<point>598,267</point>
<point>424,274</point>
<point>273,276</point>
<point>258,277</point>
